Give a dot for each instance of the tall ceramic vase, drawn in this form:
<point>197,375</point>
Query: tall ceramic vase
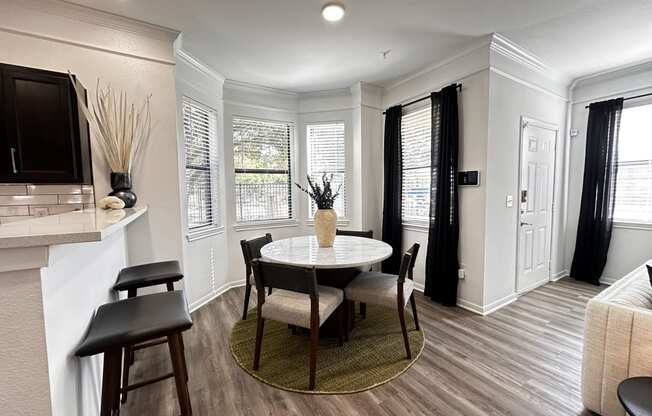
<point>121,184</point>
<point>325,227</point>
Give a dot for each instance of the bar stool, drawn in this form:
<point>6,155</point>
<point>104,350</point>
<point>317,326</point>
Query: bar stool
<point>120,324</point>
<point>130,279</point>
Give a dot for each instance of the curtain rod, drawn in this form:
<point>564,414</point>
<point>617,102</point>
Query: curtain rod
<point>459,87</point>
<point>633,98</point>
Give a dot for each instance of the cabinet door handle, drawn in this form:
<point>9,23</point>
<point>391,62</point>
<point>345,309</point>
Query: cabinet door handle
<point>13,159</point>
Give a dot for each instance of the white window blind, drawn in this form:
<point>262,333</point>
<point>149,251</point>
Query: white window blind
<point>326,154</point>
<point>199,128</point>
<point>415,142</point>
<point>262,159</point>
<point>634,179</point>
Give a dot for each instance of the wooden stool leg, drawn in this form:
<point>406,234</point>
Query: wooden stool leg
<point>126,364</point>
<point>363,310</point>
<point>246,301</point>
<point>401,317</point>
<point>170,286</point>
<point>177,357</point>
<point>183,352</point>
<point>110,405</point>
<point>414,311</point>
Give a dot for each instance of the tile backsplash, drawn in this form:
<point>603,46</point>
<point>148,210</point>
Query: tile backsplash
<point>24,201</point>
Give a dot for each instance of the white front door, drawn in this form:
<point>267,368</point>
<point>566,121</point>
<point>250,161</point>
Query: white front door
<point>535,201</point>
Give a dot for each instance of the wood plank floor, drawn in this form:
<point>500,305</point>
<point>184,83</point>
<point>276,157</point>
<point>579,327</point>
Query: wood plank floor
<point>521,360</point>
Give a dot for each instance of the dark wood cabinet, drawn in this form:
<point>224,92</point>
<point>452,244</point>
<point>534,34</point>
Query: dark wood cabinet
<point>43,136</point>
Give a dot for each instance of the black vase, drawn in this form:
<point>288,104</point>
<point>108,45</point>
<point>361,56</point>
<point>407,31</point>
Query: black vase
<point>121,184</point>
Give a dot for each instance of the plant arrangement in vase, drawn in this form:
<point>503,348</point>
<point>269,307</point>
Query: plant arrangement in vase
<point>325,216</point>
<point>121,130</point>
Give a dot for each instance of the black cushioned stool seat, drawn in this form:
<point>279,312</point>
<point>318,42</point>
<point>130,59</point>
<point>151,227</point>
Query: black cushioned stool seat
<point>151,274</point>
<point>118,325</point>
<point>135,320</point>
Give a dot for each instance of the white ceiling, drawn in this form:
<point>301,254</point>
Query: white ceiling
<point>285,44</point>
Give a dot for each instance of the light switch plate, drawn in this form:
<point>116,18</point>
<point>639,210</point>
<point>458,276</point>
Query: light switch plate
<point>509,201</point>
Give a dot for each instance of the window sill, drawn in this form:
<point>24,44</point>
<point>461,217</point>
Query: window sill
<point>419,226</point>
<point>204,232</point>
<point>344,222</point>
<point>261,225</point>
<point>633,225</point>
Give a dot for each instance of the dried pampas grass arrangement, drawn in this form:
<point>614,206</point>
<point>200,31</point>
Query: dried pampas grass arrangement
<point>119,127</point>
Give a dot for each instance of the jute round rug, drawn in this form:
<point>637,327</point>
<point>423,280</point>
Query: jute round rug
<point>374,354</point>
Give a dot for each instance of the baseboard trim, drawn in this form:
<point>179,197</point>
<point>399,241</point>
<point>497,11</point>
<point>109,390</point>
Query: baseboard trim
<point>220,290</point>
<point>607,280</point>
<point>474,307</point>
<point>559,275</point>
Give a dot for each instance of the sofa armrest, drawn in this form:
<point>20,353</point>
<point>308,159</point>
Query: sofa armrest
<point>617,345</point>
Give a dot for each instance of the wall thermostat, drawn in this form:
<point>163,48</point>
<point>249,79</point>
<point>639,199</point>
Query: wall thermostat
<point>468,178</point>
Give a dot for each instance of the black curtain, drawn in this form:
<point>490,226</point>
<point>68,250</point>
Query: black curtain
<point>443,236</point>
<point>392,232</point>
<point>598,191</point>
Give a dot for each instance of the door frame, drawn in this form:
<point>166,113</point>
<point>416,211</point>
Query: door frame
<point>523,123</point>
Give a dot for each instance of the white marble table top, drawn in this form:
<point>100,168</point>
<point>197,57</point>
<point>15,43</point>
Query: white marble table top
<point>347,251</point>
<point>70,227</point>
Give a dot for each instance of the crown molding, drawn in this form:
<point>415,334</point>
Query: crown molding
<point>482,43</point>
<point>199,65</point>
<point>614,73</point>
<point>338,92</point>
<point>248,87</point>
<point>503,46</point>
<point>97,17</point>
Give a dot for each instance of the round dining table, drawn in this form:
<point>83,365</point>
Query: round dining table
<point>335,266</point>
<point>347,252</point>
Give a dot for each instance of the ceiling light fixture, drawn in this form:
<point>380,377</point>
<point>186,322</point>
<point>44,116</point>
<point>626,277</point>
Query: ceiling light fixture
<point>333,11</point>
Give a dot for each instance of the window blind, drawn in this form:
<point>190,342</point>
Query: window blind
<point>262,160</point>
<point>415,142</point>
<point>199,128</point>
<point>634,178</point>
<point>326,154</point>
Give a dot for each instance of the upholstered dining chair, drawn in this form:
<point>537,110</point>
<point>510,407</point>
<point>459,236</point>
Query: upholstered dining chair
<point>300,302</point>
<point>389,290</point>
<point>363,234</point>
<point>251,251</point>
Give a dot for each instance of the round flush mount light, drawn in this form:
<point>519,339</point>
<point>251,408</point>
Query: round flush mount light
<point>333,11</point>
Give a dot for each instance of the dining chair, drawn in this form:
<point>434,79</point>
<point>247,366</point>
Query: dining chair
<point>251,251</point>
<point>364,234</point>
<point>389,290</point>
<point>300,302</point>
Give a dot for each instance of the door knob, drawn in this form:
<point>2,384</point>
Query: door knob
<point>525,223</point>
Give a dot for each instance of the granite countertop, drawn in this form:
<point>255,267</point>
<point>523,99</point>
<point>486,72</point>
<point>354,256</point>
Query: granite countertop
<point>71,227</point>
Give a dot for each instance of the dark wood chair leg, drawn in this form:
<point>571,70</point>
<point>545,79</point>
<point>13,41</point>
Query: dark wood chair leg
<point>363,310</point>
<point>414,311</point>
<point>347,322</point>
<point>177,357</point>
<point>246,301</point>
<point>401,317</point>
<point>351,306</point>
<point>126,361</point>
<point>314,344</point>
<point>110,405</point>
<point>269,291</point>
<point>260,327</point>
<point>170,286</point>
<point>183,352</point>
<point>340,324</point>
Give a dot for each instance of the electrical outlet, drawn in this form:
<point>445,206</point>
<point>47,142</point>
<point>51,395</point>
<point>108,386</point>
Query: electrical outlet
<point>461,274</point>
<point>40,211</point>
<point>509,201</point>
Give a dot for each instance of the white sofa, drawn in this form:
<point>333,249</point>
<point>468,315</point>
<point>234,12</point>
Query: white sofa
<point>617,341</point>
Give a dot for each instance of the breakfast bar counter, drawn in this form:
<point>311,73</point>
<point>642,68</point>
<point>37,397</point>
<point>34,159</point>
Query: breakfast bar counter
<point>54,272</point>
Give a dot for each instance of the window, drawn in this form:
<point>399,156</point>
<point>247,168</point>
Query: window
<point>326,154</point>
<point>263,182</point>
<point>634,179</point>
<point>415,142</point>
<point>199,130</point>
